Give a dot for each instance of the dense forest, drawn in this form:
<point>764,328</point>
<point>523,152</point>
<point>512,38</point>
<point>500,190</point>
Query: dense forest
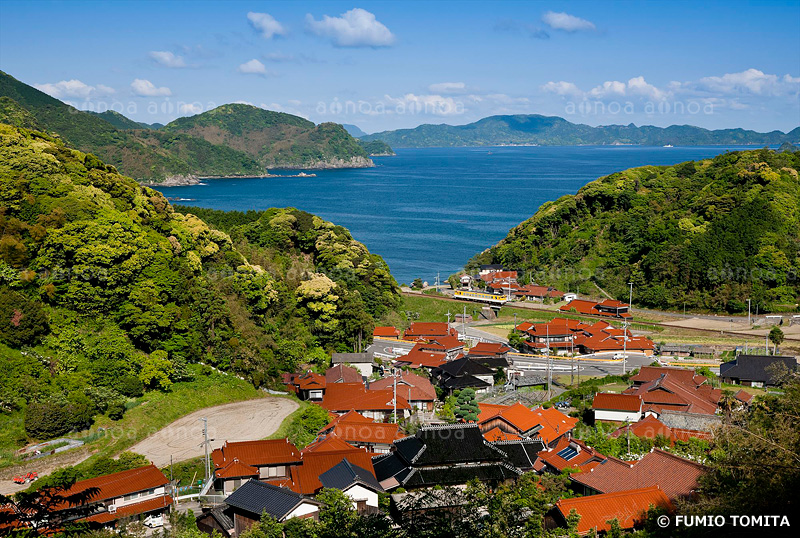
<point>230,140</point>
<point>708,234</point>
<point>106,291</point>
<point>555,131</point>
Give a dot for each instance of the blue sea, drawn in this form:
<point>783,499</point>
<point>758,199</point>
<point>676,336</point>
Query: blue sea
<point>429,210</point>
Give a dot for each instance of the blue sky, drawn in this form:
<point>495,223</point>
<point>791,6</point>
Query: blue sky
<point>387,65</point>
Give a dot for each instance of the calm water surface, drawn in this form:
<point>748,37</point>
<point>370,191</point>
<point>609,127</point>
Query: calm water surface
<point>429,210</point>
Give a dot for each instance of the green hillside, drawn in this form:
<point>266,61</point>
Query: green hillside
<point>275,139</point>
<point>710,234</point>
<point>376,148</point>
<point>119,121</point>
<point>552,130</point>
<point>106,291</point>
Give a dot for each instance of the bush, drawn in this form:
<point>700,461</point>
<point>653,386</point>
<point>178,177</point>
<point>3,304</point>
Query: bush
<point>47,420</point>
<point>22,322</point>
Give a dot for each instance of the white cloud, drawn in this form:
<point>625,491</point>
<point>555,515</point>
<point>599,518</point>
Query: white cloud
<point>751,81</point>
<point>447,87</point>
<point>167,59</point>
<point>609,88</point>
<point>253,67</point>
<point>190,108</point>
<point>266,24</point>
<point>145,88</point>
<point>562,88</point>
<point>355,28</point>
<point>566,22</point>
<point>74,89</point>
<point>435,105</point>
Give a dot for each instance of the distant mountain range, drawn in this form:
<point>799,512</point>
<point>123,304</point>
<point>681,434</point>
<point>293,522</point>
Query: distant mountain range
<point>354,130</point>
<point>552,131</point>
<point>230,140</point>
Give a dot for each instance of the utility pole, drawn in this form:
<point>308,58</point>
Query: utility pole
<point>464,323</point>
<point>624,345</point>
<point>205,444</point>
<point>547,354</point>
<point>630,299</point>
<point>448,318</point>
<point>394,400</point>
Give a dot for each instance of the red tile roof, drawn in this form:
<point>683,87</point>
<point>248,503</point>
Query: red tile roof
<point>553,422</point>
<point>122,483</point>
<point>427,330</point>
<point>628,507</point>
<point>129,510</point>
<point>675,388</point>
<point>416,358</point>
<point>496,434</point>
<point>442,343</point>
<point>310,381</point>
<point>386,332</point>
<point>256,453</point>
<point>488,348</point>
<point>350,416</point>
<point>327,444</point>
<point>413,387</point>
<point>676,476</point>
<point>650,427</point>
<point>357,433</point>
<point>235,469</point>
<point>342,374</point>
<point>341,397</point>
<point>744,396</point>
<point>584,459</point>
<point>617,402</point>
<point>304,478</point>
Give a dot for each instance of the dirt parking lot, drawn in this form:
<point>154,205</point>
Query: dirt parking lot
<point>240,421</point>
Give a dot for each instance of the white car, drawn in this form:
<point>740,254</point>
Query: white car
<point>154,521</point>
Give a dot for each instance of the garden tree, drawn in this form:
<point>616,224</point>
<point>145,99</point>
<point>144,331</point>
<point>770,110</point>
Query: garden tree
<point>448,410</point>
<point>266,527</point>
<point>467,408</point>
<point>106,465</point>
<point>337,517</point>
<point>34,513</point>
<point>47,419</point>
<point>300,528</point>
<point>22,321</point>
<point>417,284</point>
<point>515,339</point>
<point>776,337</point>
<point>318,295</point>
<point>755,464</point>
<point>304,428</point>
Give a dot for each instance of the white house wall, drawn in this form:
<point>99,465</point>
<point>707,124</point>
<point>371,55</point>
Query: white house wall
<point>618,416</point>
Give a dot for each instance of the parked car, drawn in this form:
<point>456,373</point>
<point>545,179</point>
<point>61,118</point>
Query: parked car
<point>154,521</point>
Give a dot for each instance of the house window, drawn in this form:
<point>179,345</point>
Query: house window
<point>277,471</point>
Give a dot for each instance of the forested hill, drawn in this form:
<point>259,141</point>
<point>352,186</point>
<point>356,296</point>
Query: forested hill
<point>275,139</point>
<point>106,290</point>
<point>709,233</point>
<point>554,131</point>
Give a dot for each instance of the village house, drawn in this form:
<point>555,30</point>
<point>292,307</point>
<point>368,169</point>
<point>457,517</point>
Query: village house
<point>361,432</point>
<point>443,455</point>
<point>567,453</point>
<point>374,404</point>
<point>424,331</point>
<point>617,407</point>
<point>607,308</point>
<point>463,373</point>
<point>569,335</point>
<point>236,462</point>
<point>491,354</point>
<point>342,374</point>
<point>522,453</point>
<point>628,507</point>
<point>545,424</point>
<point>677,477</point>
<point>130,495</point>
<point>756,370</point>
<point>417,358</point>
<point>254,498</point>
<point>387,333</point>
<point>451,346</point>
<point>532,292</point>
<point>307,386</point>
<point>416,389</point>
<point>217,520</point>
<point>356,482</point>
<point>363,362</point>
<point>676,389</point>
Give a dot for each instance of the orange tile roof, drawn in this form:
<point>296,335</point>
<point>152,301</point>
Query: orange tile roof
<point>676,476</point>
<point>131,510</point>
<point>427,329</point>
<point>310,381</point>
<point>496,434</point>
<point>488,348</point>
<point>628,507</point>
<point>649,427</point>
<point>347,396</point>
<point>304,478</point>
<point>744,396</point>
<point>584,459</point>
<point>327,444</point>
<point>350,416</point>
<point>553,422</point>
<point>366,432</point>
<point>235,469</point>
<point>256,453</point>
<point>442,343</point>
<point>390,332</point>
<point>122,483</point>
<point>617,402</point>
<point>676,389</point>
<point>416,358</point>
<point>411,386</point>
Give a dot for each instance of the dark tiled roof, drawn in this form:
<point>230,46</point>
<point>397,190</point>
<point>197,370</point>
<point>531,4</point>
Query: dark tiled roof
<point>222,517</point>
<point>521,453</point>
<point>464,381</point>
<point>755,367</point>
<point>490,362</point>
<point>465,366</point>
<point>459,443</point>
<point>256,497</point>
<point>432,476</point>
<point>345,474</point>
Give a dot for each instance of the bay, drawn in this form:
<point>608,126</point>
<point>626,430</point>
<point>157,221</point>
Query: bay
<point>429,210</point>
